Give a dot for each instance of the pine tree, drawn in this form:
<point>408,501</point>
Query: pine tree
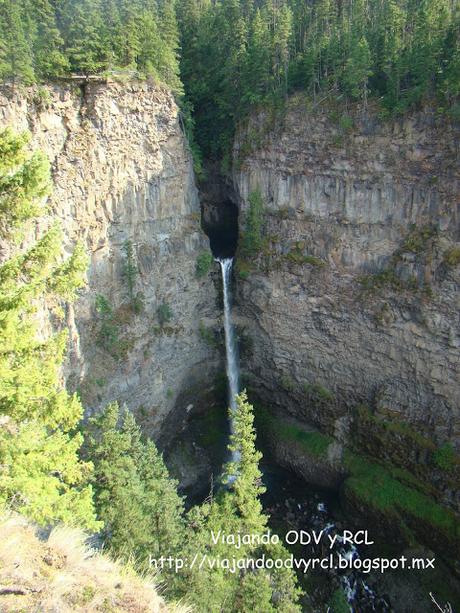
<point>131,16</point>
<point>16,60</point>
<point>49,59</point>
<point>257,78</point>
<point>169,33</point>
<point>134,496</point>
<point>24,181</point>
<point>247,486</point>
<point>357,69</point>
<point>111,33</point>
<point>236,509</point>
<point>41,475</point>
<point>85,39</point>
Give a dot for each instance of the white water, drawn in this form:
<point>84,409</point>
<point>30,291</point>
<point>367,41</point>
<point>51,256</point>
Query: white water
<point>231,349</point>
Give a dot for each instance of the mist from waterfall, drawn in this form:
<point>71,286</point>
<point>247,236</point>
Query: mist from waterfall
<point>231,348</point>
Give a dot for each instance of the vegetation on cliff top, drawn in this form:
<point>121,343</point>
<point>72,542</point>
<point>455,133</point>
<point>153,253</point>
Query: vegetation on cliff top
<point>43,39</point>
<point>236,55</point>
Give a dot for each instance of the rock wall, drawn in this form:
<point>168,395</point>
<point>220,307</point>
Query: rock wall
<point>122,172</point>
<point>353,299</point>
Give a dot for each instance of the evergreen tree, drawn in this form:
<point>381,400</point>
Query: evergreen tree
<point>134,496</point>
<point>236,509</point>
<point>131,46</point>
<point>357,69</point>
<point>41,475</point>
<point>111,33</point>
<point>16,59</point>
<point>85,42</point>
<point>49,59</point>
<point>257,77</point>
<point>244,476</point>
<point>169,33</point>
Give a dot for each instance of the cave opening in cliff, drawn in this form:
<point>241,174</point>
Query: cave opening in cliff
<point>220,222</point>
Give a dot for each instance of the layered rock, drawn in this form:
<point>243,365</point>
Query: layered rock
<point>122,174</point>
<point>353,299</point>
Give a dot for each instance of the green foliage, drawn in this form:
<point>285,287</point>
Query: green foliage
<point>107,335</point>
<point>204,261</point>
<point>43,39</point>
<point>311,442</point>
<point>243,268</point>
<point>384,279</point>
<point>317,393</point>
<point>339,602</point>
<point>418,238</point>
<point>41,475</point>
<point>207,334</point>
<point>164,314</point>
<point>374,484</point>
<point>288,383</point>
<point>444,457</point>
<point>251,241</point>
<point>297,256</point>
<point>452,257</point>
<point>130,272</point>
<point>24,181</point>
<point>239,56</point>
<point>134,496</point>
<point>16,58</point>
<point>236,509</point>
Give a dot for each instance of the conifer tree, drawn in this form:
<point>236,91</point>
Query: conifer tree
<point>111,33</point>
<point>134,496</point>
<point>357,69</point>
<point>85,42</point>
<point>236,509</point>
<point>16,60</point>
<point>41,475</point>
<point>49,59</point>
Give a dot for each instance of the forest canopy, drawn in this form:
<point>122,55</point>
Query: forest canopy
<point>233,55</point>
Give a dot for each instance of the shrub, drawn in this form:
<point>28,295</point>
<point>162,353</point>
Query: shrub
<point>130,272</point>
<point>385,278</point>
<point>207,335</point>
<point>297,257</point>
<point>251,241</point>
<point>451,257</point>
<point>288,383</point>
<point>107,335</point>
<point>243,268</point>
<point>417,239</point>
<point>346,123</point>
<point>444,457</point>
<point>318,393</point>
<point>203,263</point>
<point>164,313</point>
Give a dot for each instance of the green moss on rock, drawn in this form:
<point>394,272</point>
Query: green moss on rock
<point>378,488</point>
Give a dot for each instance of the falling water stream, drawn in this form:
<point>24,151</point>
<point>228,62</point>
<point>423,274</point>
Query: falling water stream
<point>355,588</point>
<point>231,349</point>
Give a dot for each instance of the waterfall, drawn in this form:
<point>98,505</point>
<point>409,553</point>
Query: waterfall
<point>231,349</point>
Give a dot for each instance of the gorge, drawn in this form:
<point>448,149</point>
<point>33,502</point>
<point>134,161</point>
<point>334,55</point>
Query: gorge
<point>346,315</point>
<point>229,301</point>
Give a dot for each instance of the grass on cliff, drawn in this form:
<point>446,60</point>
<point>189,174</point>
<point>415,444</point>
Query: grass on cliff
<point>374,484</point>
<point>313,443</point>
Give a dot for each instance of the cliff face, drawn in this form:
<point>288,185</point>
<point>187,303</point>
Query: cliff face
<point>354,297</point>
<point>122,172</point>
